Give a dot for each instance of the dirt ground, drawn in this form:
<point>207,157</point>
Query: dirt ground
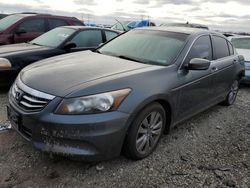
<point>210,150</point>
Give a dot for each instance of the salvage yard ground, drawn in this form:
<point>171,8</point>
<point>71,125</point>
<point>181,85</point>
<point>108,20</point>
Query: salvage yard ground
<point>210,150</point>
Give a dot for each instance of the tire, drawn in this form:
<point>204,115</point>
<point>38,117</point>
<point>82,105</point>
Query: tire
<point>232,94</point>
<point>145,132</point>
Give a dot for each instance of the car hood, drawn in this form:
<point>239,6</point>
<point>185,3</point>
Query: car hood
<point>59,75</point>
<point>19,48</point>
<point>245,53</point>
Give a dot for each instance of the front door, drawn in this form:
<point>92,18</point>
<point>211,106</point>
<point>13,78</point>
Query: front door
<point>29,30</point>
<point>196,91</point>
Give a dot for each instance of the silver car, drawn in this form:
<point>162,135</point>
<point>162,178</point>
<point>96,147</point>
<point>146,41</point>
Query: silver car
<point>242,46</point>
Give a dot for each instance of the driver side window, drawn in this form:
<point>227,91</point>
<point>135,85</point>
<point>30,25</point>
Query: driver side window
<point>202,48</point>
<point>88,38</point>
<point>33,25</point>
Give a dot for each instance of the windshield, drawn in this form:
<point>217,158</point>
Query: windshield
<point>8,21</point>
<point>242,43</point>
<point>151,47</point>
<point>53,38</point>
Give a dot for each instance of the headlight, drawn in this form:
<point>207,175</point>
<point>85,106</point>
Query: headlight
<point>103,102</point>
<point>5,64</point>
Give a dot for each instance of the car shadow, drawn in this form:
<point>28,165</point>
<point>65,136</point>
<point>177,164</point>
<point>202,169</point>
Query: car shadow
<point>4,90</point>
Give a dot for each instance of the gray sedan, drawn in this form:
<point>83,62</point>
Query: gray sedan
<point>126,94</point>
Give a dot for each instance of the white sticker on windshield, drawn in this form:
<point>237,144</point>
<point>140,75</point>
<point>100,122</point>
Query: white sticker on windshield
<point>63,35</point>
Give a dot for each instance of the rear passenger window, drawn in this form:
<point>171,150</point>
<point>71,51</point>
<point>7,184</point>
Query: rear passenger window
<point>231,49</point>
<point>110,35</point>
<point>77,23</point>
<point>201,49</point>
<point>34,25</point>
<point>220,47</point>
<point>88,38</point>
<point>53,23</point>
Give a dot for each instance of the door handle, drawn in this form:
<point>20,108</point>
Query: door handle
<point>214,69</point>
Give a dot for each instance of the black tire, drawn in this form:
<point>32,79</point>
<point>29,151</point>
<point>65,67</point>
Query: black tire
<point>154,116</point>
<point>232,94</point>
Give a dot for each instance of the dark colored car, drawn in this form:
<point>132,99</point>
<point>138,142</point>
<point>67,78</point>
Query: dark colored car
<point>124,95</point>
<point>58,41</point>
<point>18,28</point>
<point>3,16</point>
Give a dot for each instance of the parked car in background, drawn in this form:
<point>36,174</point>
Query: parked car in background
<point>242,46</point>
<point>185,25</point>
<point>228,34</point>
<point>58,41</point>
<point>140,23</point>
<point>3,16</point>
<point>18,28</point>
<point>125,94</point>
<point>121,26</point>
<point>128,25</point>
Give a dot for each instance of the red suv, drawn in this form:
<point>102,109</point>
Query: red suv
<point>24,27</point>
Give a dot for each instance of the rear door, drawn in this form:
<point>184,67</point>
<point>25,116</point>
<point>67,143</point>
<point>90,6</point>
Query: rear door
<point>223,65</point>
<point>31,28</point>
<point>87,39</point>
<point>53,23</point>
<point>196,92</point>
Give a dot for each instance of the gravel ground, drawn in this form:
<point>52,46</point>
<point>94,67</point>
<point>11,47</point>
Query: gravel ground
<point>209,150</point>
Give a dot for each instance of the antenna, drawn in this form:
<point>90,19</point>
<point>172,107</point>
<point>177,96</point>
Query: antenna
<point>121,24</point>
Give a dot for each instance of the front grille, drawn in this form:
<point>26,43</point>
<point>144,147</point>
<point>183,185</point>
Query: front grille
<point>29,99</point>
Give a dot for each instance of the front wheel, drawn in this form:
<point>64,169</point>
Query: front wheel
<point>145,132</point>
<point>231,96</point>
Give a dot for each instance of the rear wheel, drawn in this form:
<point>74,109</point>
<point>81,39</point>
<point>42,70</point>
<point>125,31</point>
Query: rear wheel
<point>145,132</point>
<point>232,95</point>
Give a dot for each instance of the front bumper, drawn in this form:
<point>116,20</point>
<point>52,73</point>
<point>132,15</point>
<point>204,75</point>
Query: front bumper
<point>91,137</point>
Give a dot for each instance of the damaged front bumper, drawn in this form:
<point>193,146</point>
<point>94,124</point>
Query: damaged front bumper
<point>91,137</point>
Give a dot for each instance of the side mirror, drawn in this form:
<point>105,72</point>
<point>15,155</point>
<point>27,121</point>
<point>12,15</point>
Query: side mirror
<point>198,64</point>
<point>69,46</point>
<point>20,31</point>
<point>241,58</point>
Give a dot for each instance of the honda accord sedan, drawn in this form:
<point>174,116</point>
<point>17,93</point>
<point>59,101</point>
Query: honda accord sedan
<point>126,94</point>
<point>55,42</point>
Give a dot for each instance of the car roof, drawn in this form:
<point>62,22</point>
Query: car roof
<point>29,14</point>
<point>184,30</point>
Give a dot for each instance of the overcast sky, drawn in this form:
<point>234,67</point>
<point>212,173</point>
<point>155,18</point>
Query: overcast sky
<point>218,14</point>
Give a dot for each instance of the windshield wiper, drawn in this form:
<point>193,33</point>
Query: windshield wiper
<point>131,59</point>
<point>98,51</point>
<point>34,43</point>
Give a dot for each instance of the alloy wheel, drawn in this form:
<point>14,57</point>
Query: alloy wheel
<point>149,132</point>
<point>233,92</point>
